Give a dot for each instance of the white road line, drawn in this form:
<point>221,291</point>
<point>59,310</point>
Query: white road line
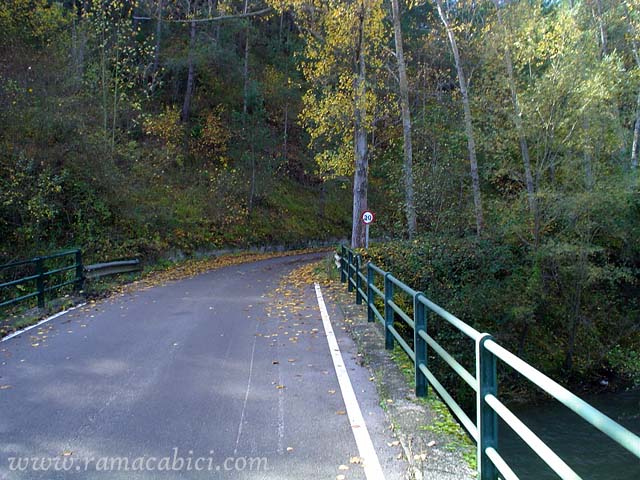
<point>59,314</point>
<point>280,405</point>
<point>246,395</point>
<point>371,463</point>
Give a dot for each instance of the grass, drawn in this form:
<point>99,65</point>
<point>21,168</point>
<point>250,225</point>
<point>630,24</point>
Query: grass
<point>446,423</point>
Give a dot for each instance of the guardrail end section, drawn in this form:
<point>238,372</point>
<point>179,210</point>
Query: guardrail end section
<point>486,373</point>
<point>420,345</point>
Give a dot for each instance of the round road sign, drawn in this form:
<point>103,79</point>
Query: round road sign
<point>367,217</point>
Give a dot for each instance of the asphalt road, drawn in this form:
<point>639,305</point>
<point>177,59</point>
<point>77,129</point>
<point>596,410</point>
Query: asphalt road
<point>223,372</point>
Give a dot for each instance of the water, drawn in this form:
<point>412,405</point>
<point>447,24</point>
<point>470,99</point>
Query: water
<point>590,453</point>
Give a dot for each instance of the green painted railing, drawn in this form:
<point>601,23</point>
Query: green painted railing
<point>484,381</point>
<point>39,278</point>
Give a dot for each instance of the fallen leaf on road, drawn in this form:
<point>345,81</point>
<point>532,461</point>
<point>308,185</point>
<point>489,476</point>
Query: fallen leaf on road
<point>289,449</point>
<point>67,453</point>
<point>5,387</point>
<point>341,412</point>
<point>280,386</point>
<point>355,460</point>
<point>332,392</point>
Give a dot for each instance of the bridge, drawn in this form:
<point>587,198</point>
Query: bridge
<point>244,372</point>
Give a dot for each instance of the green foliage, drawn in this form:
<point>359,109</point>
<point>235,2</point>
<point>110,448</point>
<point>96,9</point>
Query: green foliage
<point>627,362</point>
<point>564,302</point>
<point>94,153</point>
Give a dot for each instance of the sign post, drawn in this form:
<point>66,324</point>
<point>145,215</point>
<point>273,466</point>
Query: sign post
<point>367,218</point>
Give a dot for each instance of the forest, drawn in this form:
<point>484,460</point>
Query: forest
<point>497,141</point>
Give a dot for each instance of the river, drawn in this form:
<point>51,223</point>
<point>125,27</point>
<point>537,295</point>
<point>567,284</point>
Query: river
<point>590,453</point>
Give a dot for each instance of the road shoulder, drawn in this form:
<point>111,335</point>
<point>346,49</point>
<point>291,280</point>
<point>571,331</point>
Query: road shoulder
<point>435,447</point>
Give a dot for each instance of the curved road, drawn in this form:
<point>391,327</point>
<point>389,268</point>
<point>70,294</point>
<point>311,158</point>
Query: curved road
<point>226,372</point>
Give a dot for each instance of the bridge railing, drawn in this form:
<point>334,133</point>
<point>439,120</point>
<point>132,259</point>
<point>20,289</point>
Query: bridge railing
<point>484,381</point>
<point>37,275</point>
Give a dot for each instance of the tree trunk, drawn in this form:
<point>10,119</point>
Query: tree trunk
<point>252,185</point>
<point>186,106</point>
<point>156,51</point>
<point>116,85</point>
<point>601,26</point>
<point>524,146</point>
<point>406,124</point>
<point>360,179</point>
<point>103,73</point>
<point>82,41</point>
<point>587,155</point>
<point>471,142</point>
<point>636,130</point>
<point>323,198</point>
<point>245,68</point>
<point>636,56</point>
<point>636,137</point>
<point>285,134</point>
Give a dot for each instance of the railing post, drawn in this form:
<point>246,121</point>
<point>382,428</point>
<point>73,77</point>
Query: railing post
<point>370,295</point>
<point>343,262</point>
<point>419,343</point>
<point>79,271</point>
<point>40,281</point>
<point>358,280</point>
<point>388,312</point>
<point>487,419</point>
<point>349,270</point>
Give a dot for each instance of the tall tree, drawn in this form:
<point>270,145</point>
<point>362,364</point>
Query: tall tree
<point>245,65</point>
<point>343,50</point>
<point>517,118</point>
<point>156,50</point>
<point>361,177</point>
<point>468,121</point>
<point>633,34</point>
<point>188,92</point>
<point>410,206</point>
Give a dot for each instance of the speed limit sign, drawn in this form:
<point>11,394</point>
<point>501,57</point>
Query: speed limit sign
<point>368,217</point>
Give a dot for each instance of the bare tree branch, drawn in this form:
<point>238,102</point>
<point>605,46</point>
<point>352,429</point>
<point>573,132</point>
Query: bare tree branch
<point>209,19</point>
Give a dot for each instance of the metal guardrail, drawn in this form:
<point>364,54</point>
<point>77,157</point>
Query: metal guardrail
<point>40,278</point>
<point>100,270</point>
<point>484,381</point>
